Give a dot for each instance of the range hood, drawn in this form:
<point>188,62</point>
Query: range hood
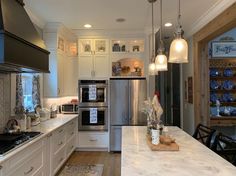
<point>21,48</point>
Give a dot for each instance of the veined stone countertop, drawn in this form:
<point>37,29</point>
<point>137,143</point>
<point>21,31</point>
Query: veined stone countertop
<point>193,158</point>
<point>45,128</point>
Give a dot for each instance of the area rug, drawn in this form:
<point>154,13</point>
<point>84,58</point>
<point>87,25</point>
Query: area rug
<point>82,170</point>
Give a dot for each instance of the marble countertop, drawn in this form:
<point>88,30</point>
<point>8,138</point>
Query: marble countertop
<point>45,128</point>
<point>193,158</point>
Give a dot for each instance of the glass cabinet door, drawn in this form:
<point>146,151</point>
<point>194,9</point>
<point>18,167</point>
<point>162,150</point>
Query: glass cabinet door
<point>85,47</point>
<point>101,46</point>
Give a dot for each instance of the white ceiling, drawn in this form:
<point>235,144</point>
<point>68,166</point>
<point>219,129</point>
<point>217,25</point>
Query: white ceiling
<point>101,14</point>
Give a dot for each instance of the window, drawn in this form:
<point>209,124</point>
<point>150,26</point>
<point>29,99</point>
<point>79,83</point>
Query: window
<point>27,91</point>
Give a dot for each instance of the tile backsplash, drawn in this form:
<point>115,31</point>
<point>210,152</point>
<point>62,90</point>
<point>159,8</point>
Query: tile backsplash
<point>5,99</point>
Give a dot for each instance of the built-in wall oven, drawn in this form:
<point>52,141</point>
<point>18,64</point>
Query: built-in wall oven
<point>93,119</point>
<point>93,105</point>
<point>93,93</point>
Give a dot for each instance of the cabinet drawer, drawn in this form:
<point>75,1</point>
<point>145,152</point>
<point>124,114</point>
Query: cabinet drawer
<point>31,166</point>
<point>93,139</point>
<point>22,156</point>
<point>58,139</point>
<point>70,129</point>
<point>70,146</point>
<point>58,159</point>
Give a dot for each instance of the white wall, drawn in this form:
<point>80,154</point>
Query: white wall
<point>188,109</point>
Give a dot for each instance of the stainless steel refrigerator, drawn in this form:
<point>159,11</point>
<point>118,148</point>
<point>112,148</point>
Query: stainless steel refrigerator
<point>126,101</point>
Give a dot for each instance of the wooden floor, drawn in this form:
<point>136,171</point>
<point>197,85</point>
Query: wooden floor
<point>111,161</point>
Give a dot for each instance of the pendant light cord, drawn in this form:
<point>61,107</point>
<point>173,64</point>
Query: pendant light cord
<point>161,42</point>
<point>179,15</point>
<point>153,42</point>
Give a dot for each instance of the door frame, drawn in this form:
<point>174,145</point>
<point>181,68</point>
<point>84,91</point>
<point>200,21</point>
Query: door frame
<point>219,25</point>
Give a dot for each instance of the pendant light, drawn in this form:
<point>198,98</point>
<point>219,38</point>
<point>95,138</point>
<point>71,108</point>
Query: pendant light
<point>179,46</point>
<point>152,67</point>
<point>161,59</point>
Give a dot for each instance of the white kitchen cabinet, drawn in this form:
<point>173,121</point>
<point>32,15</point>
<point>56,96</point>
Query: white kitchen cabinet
<point>70,77</point>
<point>93,58</point>
<point>27,162</point>
<point>63,144</point>
<point>63,61</point>
<point>54,81</point>
<point>93,140</point>
<point>93,47</point>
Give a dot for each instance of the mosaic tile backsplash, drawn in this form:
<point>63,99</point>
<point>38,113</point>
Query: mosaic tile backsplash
<point>5,99</point>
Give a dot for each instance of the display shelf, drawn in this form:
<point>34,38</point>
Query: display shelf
<point>122,46</point>
<point>223,91</point>
<point>223,121</point>
<point>224,104</point>
<point>223,78</point>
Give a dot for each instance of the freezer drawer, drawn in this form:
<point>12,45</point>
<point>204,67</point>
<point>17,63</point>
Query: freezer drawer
<point>115,138</point>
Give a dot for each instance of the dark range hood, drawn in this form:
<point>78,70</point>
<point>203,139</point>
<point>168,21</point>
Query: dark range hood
<point>21,48</point>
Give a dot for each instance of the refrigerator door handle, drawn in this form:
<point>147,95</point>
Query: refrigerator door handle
<point>129,118</point>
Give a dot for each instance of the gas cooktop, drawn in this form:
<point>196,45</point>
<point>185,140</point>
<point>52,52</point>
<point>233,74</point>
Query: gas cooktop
<point>11,141</point>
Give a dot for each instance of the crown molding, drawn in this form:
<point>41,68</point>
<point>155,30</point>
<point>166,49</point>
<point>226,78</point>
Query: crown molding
<point>208,16</point>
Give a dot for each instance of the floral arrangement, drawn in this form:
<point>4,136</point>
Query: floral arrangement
<point>153,110</point>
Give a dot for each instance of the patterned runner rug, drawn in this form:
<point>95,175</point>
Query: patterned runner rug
<point>82,170</point>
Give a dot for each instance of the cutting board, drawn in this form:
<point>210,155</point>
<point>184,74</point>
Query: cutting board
<point>162,147</point>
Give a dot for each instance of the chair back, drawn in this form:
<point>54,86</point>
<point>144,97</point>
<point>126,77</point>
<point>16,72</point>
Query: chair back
<point>225,146</point>
<point>204,134</point>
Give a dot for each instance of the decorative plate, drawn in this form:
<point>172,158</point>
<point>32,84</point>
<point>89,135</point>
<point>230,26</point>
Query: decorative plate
<point>227,97</point>
<point>228,85</point>
<point>214,72</point>
<point>213,97</point>
<point>214,85</point>
<point>228,72</point>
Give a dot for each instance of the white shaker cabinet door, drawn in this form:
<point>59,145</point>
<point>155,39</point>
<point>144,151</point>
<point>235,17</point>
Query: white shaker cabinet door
<point>85,67</point>
<point>101,66</point>
<point>71,76</point>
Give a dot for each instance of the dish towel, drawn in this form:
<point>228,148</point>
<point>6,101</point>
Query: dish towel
<point>93,115</point>
<point>92,92</point>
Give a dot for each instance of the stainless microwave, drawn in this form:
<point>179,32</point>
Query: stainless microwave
<point>69,108</point>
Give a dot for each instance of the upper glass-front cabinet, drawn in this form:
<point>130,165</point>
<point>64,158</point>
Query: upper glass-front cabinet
<point>93,46</point>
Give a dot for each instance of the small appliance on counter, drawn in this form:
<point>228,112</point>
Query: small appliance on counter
<point>69,108</point>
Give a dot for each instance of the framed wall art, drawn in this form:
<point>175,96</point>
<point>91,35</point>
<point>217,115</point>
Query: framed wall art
<point>223,49</point>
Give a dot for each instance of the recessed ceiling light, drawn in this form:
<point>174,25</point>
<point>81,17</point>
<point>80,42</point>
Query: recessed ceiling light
<point>87,25</point>
<point>120,20</point>
<point>168,24</point>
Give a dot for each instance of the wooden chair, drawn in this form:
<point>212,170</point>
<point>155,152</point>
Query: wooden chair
<point>204,134</point>
<point>225,146</point>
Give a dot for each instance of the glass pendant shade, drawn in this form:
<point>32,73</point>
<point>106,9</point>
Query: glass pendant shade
<point>178,51</point>
<point>152,69</point>
<point>161,62</point>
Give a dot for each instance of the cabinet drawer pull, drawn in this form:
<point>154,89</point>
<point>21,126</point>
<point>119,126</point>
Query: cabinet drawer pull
<point>30,170</point>
<point>60,143</point>
<point>92,140</point>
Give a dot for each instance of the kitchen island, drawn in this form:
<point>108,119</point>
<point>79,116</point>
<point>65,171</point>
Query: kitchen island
<point>193,158</point>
